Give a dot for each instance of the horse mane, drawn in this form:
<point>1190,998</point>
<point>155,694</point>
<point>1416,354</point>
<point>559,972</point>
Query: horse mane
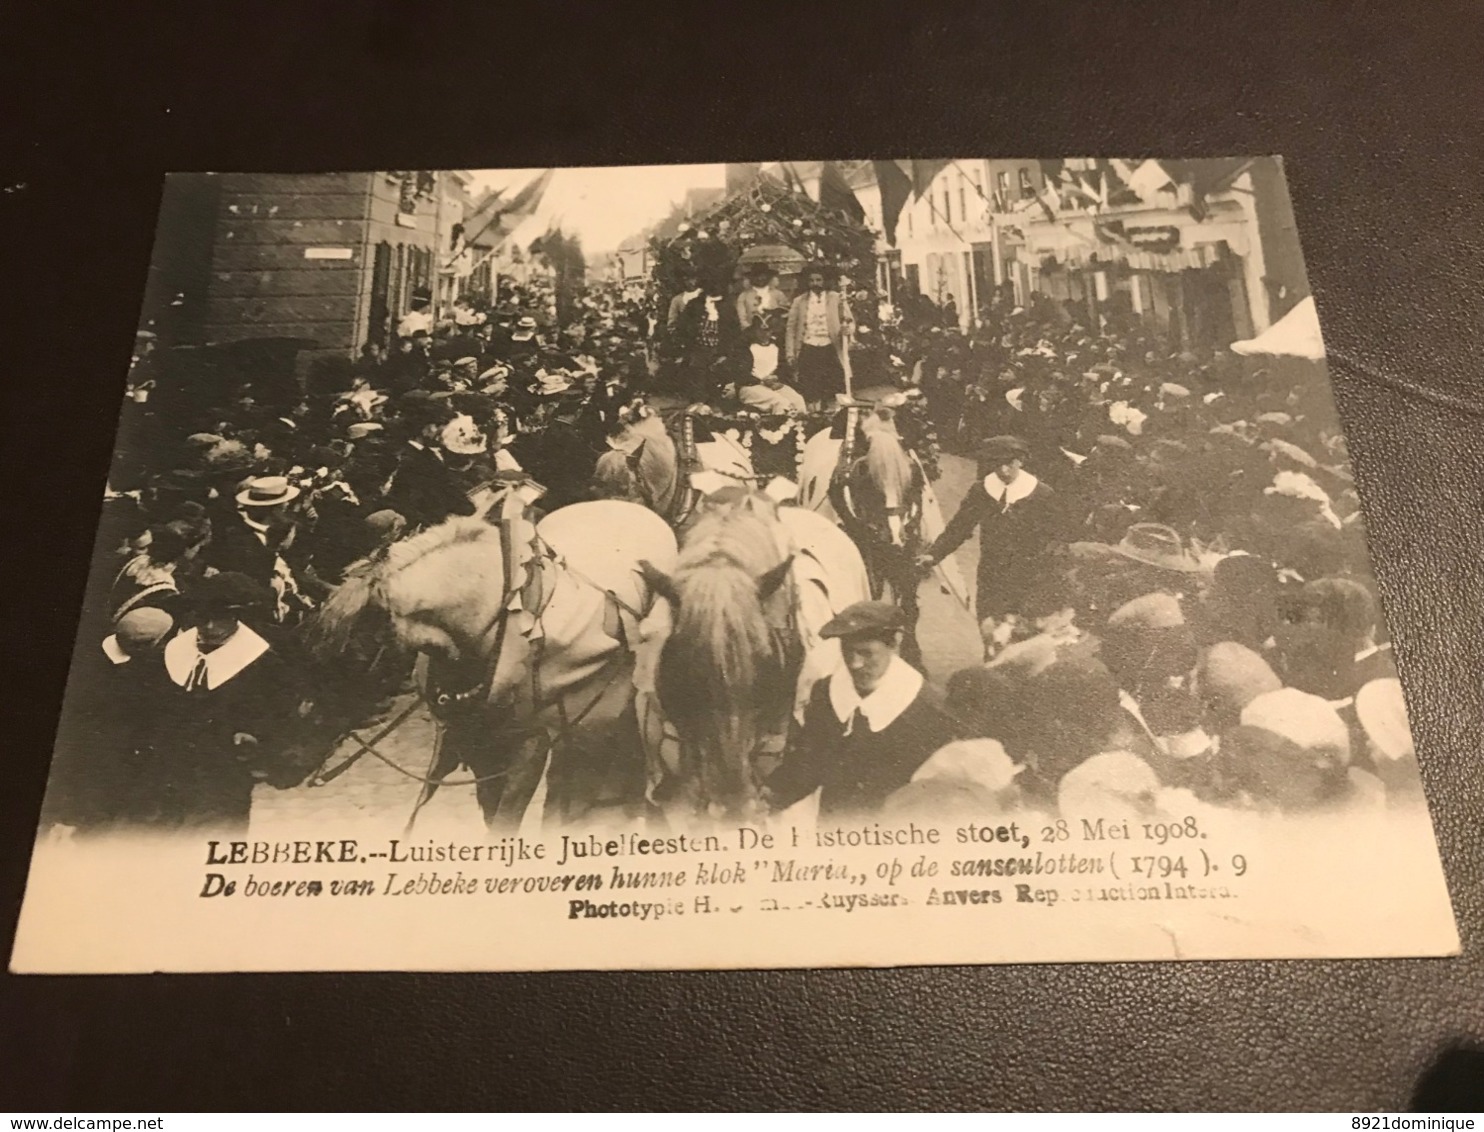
<point>329,633</point>
<point>613,478</point>
<point>744,530</point>
<point>886,460</point>
<point>714,675</point>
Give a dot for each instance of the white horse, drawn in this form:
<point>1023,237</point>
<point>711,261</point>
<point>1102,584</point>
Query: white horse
<point>821,461</point>
<point>645,467</point>
<point>730,657</point>
<point>530,632</point>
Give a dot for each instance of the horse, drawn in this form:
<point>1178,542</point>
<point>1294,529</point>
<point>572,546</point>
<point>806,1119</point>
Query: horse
<point>530,630</point>
<point>876,489</point>
<point>735,647</point>
<point>648,465</point>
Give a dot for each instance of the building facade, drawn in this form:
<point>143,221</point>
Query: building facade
<point>955,239</point>
<point>331,259</point>
<point>1205,252</point>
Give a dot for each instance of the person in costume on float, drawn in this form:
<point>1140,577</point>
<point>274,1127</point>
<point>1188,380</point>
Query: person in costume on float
<point>868,726</point>
<point>710,341</point>
<point>1016,517</point>
<point>817,340</point>
<point>763,389</point>
<point>761,298</point>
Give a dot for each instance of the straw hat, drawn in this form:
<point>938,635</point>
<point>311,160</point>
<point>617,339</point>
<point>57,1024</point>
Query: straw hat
<point>267,491</point>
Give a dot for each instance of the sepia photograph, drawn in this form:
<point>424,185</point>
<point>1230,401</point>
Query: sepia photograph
<point>870,562</point>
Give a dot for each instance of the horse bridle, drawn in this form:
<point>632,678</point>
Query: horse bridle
<point>499,624</point>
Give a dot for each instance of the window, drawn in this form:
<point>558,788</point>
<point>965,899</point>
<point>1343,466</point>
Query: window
<point>963,208</point>
<point>1026,187</point>
<point>947,208</point>
<point>1002,183</point>
<point>909,220</point>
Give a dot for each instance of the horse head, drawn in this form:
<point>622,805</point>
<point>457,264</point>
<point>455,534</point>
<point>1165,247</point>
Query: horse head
<point>727,673</point>
<point>615,476</point>
<point>450,592</point>
<point>888,473</point>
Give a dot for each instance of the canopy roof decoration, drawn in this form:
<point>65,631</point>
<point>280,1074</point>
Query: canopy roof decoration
<point>768,222</point>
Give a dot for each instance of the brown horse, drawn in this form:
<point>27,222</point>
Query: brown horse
<point>530,631</point>
<point>754,585</point>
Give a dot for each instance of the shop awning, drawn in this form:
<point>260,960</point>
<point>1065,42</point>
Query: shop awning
<point>1295,335</point>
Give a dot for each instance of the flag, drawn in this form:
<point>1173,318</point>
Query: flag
<point>1049,201</point>
<point>895,184</point>
<point>505,216</point>
<point>835,193</point>
<point>1206,176</point>
<point>923,173</point>
<point>485,210</point>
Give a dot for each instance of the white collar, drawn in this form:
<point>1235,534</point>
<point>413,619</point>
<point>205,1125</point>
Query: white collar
<point>1367,653</point>
<point>1131,705</point>
<point>1024,484</point>
<point>262,528</point>
<point>891,697</point>
<point>113,650</point>
<point>222,664</point>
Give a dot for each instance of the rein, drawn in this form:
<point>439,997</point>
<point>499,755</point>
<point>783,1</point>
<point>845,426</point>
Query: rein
<point>479,691</point>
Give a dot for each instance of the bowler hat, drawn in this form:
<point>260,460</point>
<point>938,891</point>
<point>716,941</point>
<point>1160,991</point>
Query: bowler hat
<point>1232,676</point>
<point>876,617</point>
<point>228,592</point>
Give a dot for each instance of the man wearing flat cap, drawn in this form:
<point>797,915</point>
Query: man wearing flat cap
<point>868,726</point>
<point>227,698</point>
<point>1016,517</point>
<point>112,703</point>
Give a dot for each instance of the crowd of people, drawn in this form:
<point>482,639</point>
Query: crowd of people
<point>1172,581</point>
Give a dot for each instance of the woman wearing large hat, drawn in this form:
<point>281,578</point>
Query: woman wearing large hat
<point>1016,517</point>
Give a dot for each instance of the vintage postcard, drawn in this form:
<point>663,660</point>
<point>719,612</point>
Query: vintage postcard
<point>812,563</point>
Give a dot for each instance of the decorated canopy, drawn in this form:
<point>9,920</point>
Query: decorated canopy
<point>771,223</point>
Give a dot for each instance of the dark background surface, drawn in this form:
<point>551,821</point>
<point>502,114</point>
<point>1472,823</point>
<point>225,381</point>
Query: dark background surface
<point>1377,109</point>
